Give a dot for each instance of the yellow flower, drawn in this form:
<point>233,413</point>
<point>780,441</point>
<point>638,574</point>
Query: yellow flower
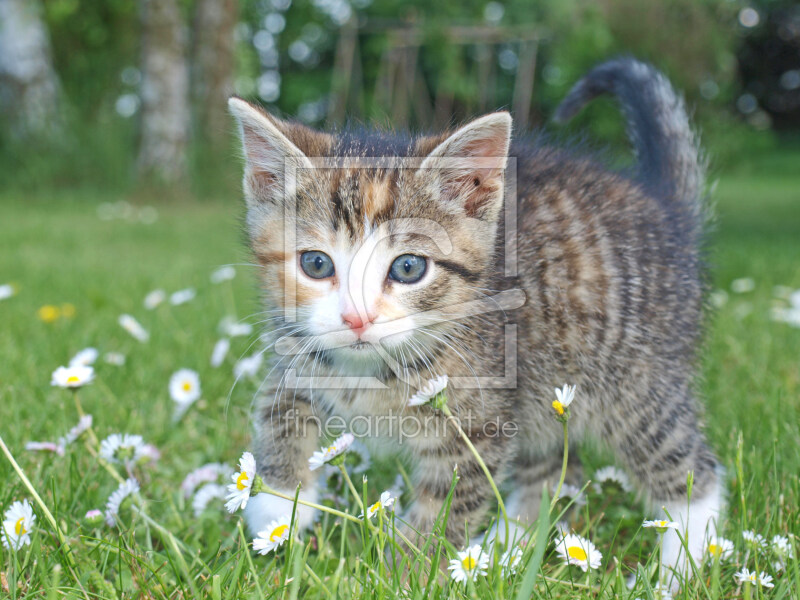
<point>49,313</point>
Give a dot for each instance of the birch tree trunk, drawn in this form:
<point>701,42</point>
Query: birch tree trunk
<point>165,92</point>
<point>212,69</point>
<point>29,87</point>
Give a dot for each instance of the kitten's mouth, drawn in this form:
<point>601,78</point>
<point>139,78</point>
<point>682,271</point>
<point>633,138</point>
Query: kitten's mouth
<point>360,345</point>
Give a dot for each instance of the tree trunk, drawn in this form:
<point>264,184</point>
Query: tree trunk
<point>213,67</point>
<point>165,92</point>
<point>29,87</point>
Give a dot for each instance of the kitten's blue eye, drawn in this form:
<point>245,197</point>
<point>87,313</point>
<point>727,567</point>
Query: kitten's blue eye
<point>408,268</point>
<point>316,264</point>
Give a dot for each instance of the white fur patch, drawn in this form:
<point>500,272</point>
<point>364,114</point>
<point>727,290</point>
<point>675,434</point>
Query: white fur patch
<point>262,509</point>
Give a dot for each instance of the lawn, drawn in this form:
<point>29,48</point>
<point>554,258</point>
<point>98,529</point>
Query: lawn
<point>58,251</point>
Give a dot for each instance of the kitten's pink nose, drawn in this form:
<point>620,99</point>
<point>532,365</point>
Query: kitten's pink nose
<point>356,323</point>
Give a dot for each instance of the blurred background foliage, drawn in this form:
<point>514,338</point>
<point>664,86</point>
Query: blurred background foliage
<point>738,63</point>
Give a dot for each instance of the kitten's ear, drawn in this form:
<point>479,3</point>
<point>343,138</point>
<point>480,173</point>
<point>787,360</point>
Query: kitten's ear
<point>476,184</point>
<point>266,150</point>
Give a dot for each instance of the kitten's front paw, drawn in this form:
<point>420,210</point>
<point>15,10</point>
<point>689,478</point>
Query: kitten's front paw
<point>262,509</point>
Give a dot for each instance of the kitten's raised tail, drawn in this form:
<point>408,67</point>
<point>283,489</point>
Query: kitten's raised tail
<point>669,160</point>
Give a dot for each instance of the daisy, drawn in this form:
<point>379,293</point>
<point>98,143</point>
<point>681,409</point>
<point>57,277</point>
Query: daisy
<point>84,423</point>
<point>339,446</point>
<point>248,367</point>
<point>149,454</point>
<point>207,493</point>
<point>510,560</point>
<point>17,525</point>
<point>231,327</point>
<point>94,516</point>
<point>132,326</point>
<point>563,529</point>
<point>564,398</point>
<point>7,290</point>
<point>182,296</point>
<point>571,491</point>
<point>429,391</point>
<point>122,448</point>
<point>754,540</point>
<point>753,578</point>
<point>48,313</point>
<point>220,351</point>
<point>575,550</point>
<point>184,388</point>
<point>239,490</point>
<point>114,358</point>
<point>225,273</point>
<point>127,488</point>
<point>743,285</point>
<point>662,525</point>
<point>782,546</point>
<point>470,563</point>
<point>273,536</point>
<point>72,377</point>
<point>611,475</point>
<point>719,548</point>
<point>208,473</point>
<point>45,447</point>
<point>85,358</point>
<point>386,502</point>
<point>154,298</point>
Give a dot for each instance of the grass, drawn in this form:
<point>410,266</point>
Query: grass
<point>58,251</point>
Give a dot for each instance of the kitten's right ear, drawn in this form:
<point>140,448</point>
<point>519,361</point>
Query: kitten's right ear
<point>266,150</point>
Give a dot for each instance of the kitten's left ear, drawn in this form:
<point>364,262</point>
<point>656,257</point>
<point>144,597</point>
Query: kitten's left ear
<point>475,184</point>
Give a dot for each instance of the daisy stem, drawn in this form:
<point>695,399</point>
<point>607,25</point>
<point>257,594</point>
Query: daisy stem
<point>310,572</point>
<point>327,509</point>
<point>563,467</point>
<point>660,561</point>
<point>462,433</point>
<point>27,483</point>
<point>352,488</point>
<point>95,442</point>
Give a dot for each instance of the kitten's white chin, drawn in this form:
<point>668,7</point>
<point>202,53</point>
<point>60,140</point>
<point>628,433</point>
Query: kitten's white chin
<point>262,509</point>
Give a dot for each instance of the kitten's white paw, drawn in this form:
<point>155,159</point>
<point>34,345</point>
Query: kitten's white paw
<point>262,509</point>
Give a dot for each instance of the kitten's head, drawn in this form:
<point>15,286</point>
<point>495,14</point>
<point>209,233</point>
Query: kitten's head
<point>369,243</point>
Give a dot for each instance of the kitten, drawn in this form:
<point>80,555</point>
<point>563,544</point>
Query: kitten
<point>386,274</point>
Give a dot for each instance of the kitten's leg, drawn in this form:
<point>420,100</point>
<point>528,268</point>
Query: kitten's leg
<point>433,473</point>
<point>284,441</point>
<point>661,445</point>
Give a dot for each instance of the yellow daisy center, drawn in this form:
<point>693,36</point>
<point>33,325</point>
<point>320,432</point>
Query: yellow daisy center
<point>469,563</point>
<point>374,508</point>
<point>240,481</point>
<point>558,407</point>
<point>19,527</point>
<point>577,553</point>
<point>714,549</point>
<point>330,449</point>
<point>753,577</point>
<point>73,379</point>
<point>661,523</point>
<point>186,386</point>
<point>278,532</point>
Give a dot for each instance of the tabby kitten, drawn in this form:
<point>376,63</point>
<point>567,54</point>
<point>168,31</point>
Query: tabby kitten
<point>373,269</point>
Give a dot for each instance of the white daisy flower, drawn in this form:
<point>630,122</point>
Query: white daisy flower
<point>661,525</point>
<point>782,548</point>
<point>85,358</point>
<point>207,493</point>
<point>611,475</point>
<point>239,490</point>
<point>273,536</point>
<point>127,488</point>
<point>208,473</point>
<point>511,560</point>
<point>220,351</point>
<point>743,285</point>
<point>470,563</point>
<point>154,298</point>
<point>7,290</point>
<point>224,273</point>
<point>754,540</point>
<point>84,423</point>
<point>754,578</point>
<point>72,377</point>
<point>132,326</point>
<point>150,454</point>
<point>386,502</point>
<point>231,327</point>
<point>564,398</point>
<point>429,391</point>
<point>114,358</point>
<point>575,550</point>
<point>719,548</point>
<point>93,516</point>
<point>45,447</point>
<point>184,388</point>
<point>571,491</point>
<point>562,528</point>
<point>248,366</point>
<point>182,296</point>
<point>718,298</point>
<point>17,525</point>
<point>339,446</point>
<point>122,448</point>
